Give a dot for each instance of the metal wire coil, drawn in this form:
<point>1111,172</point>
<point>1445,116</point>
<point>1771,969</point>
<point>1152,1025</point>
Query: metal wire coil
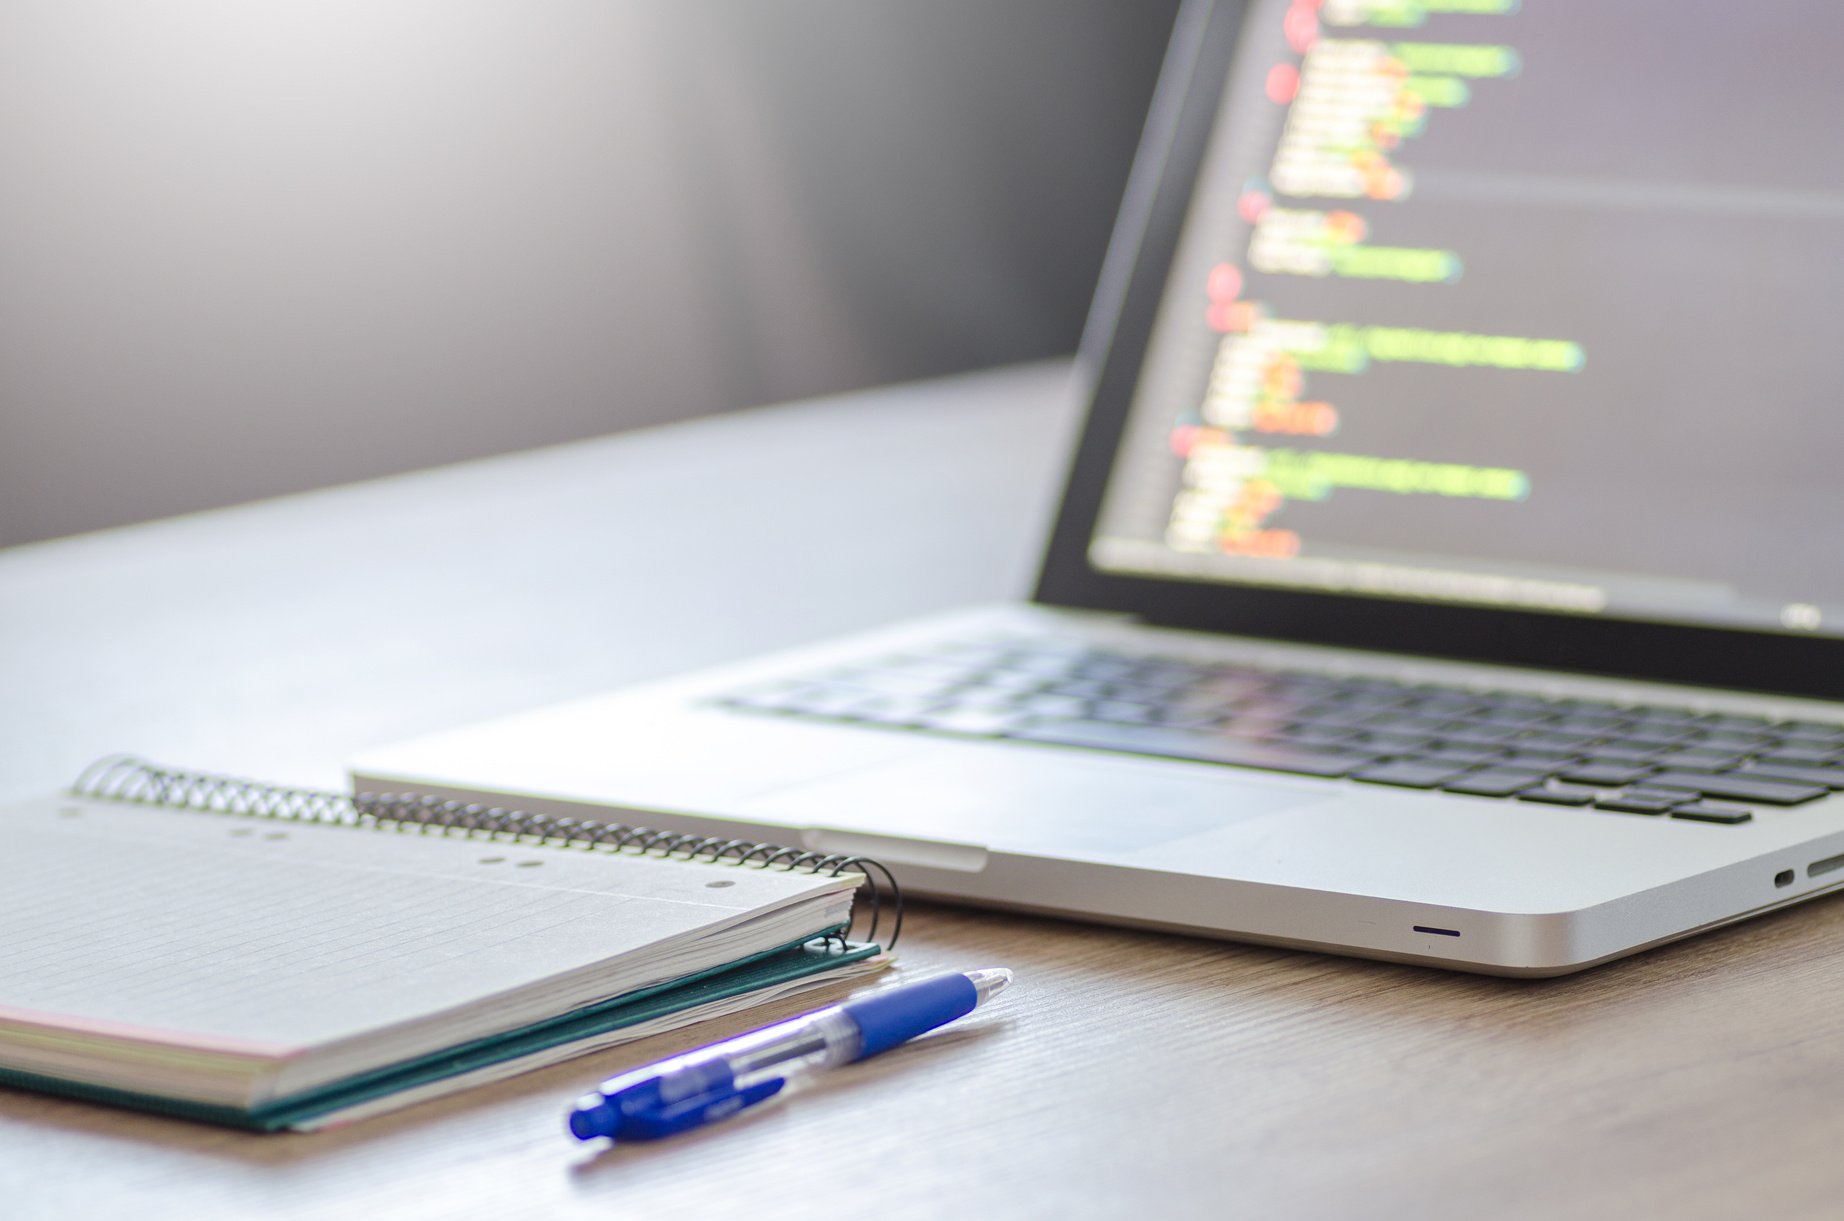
<point>132,779</point>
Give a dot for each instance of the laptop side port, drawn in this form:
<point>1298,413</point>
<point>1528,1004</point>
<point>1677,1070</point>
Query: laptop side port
<point>1830,863</point>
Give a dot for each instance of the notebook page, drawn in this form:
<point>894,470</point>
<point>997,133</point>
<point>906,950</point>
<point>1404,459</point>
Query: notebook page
<point>244,934</point>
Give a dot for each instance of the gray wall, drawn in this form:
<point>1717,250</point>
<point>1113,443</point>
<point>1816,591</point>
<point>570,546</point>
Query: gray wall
<point>255,246</point>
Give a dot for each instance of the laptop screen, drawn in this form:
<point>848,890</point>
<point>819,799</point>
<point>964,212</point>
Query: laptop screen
<point>1526,305</point>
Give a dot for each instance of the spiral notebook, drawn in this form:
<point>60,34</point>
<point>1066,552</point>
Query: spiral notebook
<point>284,958</point>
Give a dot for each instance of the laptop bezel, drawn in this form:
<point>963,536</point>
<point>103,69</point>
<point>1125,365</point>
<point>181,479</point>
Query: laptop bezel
<point>1114,344</point>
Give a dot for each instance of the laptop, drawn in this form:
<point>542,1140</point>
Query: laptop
<point>1449,570</point>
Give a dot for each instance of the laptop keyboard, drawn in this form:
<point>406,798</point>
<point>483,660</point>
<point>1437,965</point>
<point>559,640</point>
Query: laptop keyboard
<point>1629,759</point>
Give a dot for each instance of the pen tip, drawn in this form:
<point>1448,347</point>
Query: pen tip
<point>987,981</point>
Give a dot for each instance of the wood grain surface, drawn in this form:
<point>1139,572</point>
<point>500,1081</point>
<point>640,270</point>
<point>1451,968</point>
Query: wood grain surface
<point>1127,1074</point>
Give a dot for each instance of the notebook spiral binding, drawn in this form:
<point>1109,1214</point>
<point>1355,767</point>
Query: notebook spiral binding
<point>132,779</point>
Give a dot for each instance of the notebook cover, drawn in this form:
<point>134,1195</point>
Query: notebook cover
<point>764,970</point>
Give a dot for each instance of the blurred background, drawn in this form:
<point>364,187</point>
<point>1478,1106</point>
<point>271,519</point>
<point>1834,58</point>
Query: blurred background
<point>250,248</point>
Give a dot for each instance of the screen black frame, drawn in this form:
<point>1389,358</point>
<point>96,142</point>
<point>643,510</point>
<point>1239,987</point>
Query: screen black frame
<point>1114,345</point>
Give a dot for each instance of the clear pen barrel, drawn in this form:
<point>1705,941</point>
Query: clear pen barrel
<point>819,1041</point>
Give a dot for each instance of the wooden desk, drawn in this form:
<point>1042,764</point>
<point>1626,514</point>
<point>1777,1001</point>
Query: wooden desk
<point>1127,1074</point>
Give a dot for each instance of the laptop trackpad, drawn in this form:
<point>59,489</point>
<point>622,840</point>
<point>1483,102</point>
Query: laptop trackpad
<point>1045,801</point>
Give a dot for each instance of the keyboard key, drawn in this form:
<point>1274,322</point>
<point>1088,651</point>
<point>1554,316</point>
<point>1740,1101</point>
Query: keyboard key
<point>1738,786</point>
<point>1635,805</point>
<point>1080,688</point>
<point>1408,774</point>
<point>1656,737</point>
<point>1481,735</point>
<point>1697,759</point>
<point>1560,742</point>
<point>1532,705</point>
<point>1200,747</point>
<point>1742,743</point>
<point>1807,733</point>
<point>1747,724</point>
<point>1561,794</point>
<point>1647,792</point>
<point>1469,756</point>
<point>984,697</point>
<point>1449,706</point>
<point>1608,752</point>
<point>1654,794</point>
<point>1125,712</point>
<point>1143,693</point>
<point>1662,716</point>
<point>1321,735</point>
<point>1200,700</point>
<point>1388,742</point>
<point>1039,665</point>
<point>1799,756</point>
<point>1814,728</point>
<point>1346,718</point>
<point>1105,669</point>
<point>1606,776</point>
<point>1431,725</point>
<point>1160,676</point>
<point>1182,719</point>
<point>1494,782</point>
<point>1376,697</point>
<point>1518,718</point>
<point>1262,728</point>
<point>1548,760</point>
<point>1585,705</point>
<point>1046,704</point>
<point>1228,689</point>
<point>1830,777</point>
<point>1009,680</point>
<point>1706,811</point>
<point>1591,724</point>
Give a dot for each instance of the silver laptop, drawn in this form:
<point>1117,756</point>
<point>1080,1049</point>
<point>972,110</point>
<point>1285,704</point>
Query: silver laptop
<point>1450,570</point>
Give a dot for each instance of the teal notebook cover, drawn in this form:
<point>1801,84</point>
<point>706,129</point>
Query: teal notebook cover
<point>799,961</point>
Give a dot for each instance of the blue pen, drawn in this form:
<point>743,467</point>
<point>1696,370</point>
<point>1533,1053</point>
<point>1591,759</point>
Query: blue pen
<point>716,1082</point>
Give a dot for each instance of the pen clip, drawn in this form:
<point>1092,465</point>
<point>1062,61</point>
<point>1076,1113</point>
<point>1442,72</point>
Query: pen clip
<point>698,1110</point>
